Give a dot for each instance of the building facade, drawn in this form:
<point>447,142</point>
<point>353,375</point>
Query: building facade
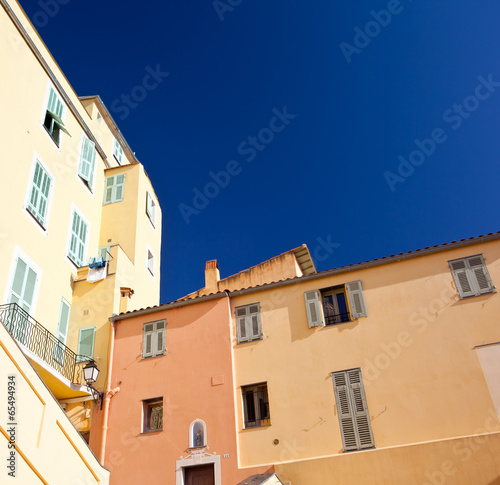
<point>81,230</point>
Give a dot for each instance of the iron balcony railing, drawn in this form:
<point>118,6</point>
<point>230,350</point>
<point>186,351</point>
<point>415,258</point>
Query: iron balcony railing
<point>37,339</point>
<point>337,318</point>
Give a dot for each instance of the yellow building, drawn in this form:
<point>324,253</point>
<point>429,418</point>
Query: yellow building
<point>383,372</point>
<point>80,229</point>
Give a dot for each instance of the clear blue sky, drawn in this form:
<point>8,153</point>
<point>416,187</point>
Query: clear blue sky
<point>331,171</point>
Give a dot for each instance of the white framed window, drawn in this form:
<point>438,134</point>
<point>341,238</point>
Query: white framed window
<point>77,247</point>
<point>62,331</point>
<point>154,339</point>
<point>248,323</point>
<point>86,163</point>
<point>117,151</point>
<point>39,194</point>
<point>471,276</point>
<point>86,340</point>
<point>151,208</point>
<point>114,189</point>
<point>53,116</point>
<point>151,263</point>
<point>337,304</point>
<point>256,405</point>
<point>352,409</point>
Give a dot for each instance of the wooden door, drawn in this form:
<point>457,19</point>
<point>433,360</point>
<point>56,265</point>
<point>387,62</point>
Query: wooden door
<point>199,475</point>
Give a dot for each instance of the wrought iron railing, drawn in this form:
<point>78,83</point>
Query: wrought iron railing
<point>337,318</point>
<point>37,339</point>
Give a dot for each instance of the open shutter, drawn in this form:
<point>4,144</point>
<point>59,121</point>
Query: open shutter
<point>55,104</point>
<point>87,161</point>
<point>254,326</point>
<point>147,341</point>
<point>119,188</point>
<point>160,338</point>
<point>62,331</point>
<point>241,324</point>
<point>73,244</point>
<point>480,275</point>
<point>313,308</point>
<point>356,299</point>
<point>461,277</point>
<point>86,343</point>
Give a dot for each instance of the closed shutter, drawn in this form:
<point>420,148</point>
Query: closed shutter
<point>119,188</point>
<point>356,299</point>
<point>481,277</point>
<point>39,196</point>
<point>147,340</point>
<point>461,277</point>
<point>160,338</point>
<point>248,323</point>
<point>108,190</point>
<point>471,276</point>
<point>354,418</point>
<point>241,324</point>
<point>86,343</point>
<point>313,308</point>
<point>23,285</point>
<point>253,321</point>
<point>87,161</point>
<point>117,151</point>
<point>62,331</point>
<point>78,240</point>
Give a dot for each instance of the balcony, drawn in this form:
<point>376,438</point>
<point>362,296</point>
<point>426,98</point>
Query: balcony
<point>334,318</point>
<point>40,345</point>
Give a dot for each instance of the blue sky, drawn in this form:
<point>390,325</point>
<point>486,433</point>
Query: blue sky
<point>368,127</point>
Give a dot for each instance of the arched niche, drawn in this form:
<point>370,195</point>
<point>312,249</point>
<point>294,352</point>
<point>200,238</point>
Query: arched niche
<point>197,434</point>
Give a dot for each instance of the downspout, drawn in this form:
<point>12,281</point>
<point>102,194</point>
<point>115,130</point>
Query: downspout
<point>108,394</point>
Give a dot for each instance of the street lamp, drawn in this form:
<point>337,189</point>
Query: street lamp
<point>90,373</point>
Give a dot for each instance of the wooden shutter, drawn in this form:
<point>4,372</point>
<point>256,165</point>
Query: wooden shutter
<point>480,275</point>
<point>147,340</point>
<point>86,343</point>
<point>87,161</point>
<point>62,330</point>
<point>352,408</point>
<point>119,188</point>
<point>313,308</point>
<point>356,299</point>
<point>254,327</point>
<point>461,278</point>
<point>159,341</point>
<point>241,324</point>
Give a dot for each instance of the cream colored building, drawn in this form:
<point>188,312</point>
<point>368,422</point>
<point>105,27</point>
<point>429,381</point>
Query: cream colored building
<point>72,192</point>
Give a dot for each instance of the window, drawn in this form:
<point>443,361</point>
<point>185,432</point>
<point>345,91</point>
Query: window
<point>117,151</point>
<point>151,208</point>
<point>114,190</point>
<point>256,405</point>
<point>152,411</point>
<point>248,323</point>
<point>154,339</point>
<point>151,263</point>
<point>471,276</point>
<point>337,304</point>
<point>78,240</point>
<point>86,344</point>
<point>105,252</point>
<point>86,166</point>
<point>23,285</point>
<point>62,331</point>
<point>39,194</point>
<point>352,409</point>
<point>53,122</point>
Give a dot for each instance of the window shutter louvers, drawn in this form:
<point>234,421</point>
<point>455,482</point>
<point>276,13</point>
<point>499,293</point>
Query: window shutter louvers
<point>62,331</point>
<point>108,191</point>
<point>87,161</point>
<point>354,419</point>
<point>40,190</point>
<point>147,342</point>
<point>253,322</point>
<point>78,240</point>
<point>241,324</point>
<point>313,309</point>
<point>356,299</point>
<point>471,276</point>
<point>119,188</point>
<point>160,338</point>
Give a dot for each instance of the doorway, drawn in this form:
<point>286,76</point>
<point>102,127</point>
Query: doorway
<point>199,475</point>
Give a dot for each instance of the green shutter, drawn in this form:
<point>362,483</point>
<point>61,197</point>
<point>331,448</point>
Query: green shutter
<point>119,188</point>
<point>62,331</point>
<point>78,240</point>
<point>39,196</point>
<point>356,299</point>
<point>313,309</point>
<point>23,285</point>
<point>108,190</point>
<point>87,161</point>
<point>86,343</point>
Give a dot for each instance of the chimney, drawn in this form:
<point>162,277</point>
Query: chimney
<point>125,293</point>
<point>212,276</point>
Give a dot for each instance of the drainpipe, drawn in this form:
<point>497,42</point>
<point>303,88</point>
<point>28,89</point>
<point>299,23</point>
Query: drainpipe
<point>108,394</point>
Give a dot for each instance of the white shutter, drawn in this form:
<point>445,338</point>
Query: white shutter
<point>253,322</point>
<point>241,324</point>
<point>313,308</point>
<point>147,340</point>
<point>480,275</point>
<point>356,299</point>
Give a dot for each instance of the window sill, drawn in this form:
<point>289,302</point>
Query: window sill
<point>250,341</point>
<point>265,424</point>
<point>40,225</point>
<point>152,431</point>
<point>475,296</point>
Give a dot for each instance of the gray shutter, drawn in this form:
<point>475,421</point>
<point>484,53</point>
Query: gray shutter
<point>354,418</point>
<point>313,308</point>
<point>160,338</point>
<point>119,188</point>
<point>480,275</point>
<point>462,278</point>
<point>241,324</point>
<point>147,340</point>
<point>86,343</point>
<point>254,325</point>
<point>108,190</point>
<point>356,299</point>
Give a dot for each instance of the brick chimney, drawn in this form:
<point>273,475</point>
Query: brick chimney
<point>212,276</point>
